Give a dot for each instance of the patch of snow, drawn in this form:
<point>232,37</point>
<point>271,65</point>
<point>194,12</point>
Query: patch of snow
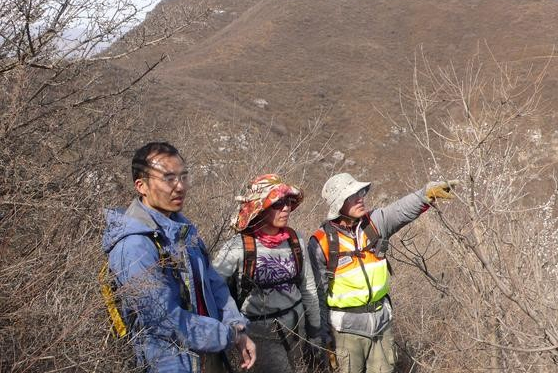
<point>396,130</point>
<point>338,156</point>
<point>261,103</point>
<point>535,135</point>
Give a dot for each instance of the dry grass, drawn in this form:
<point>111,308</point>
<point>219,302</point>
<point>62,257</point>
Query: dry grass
<point>466,296</point>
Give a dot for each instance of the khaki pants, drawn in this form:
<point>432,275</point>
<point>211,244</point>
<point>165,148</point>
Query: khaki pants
<point>357,354</point>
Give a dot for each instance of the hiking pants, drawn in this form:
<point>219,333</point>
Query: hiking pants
<point>358,354</point>
<point>279,344</point>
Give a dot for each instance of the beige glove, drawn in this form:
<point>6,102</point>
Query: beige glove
<point>331,356</point>
<point>440,189</point>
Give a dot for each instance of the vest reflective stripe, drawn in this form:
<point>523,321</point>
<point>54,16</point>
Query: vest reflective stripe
<point>348,242</point>
<point>358,270</point>
<point>350,287</point>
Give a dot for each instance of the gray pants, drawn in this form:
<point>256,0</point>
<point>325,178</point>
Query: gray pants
<point>213,363</point>
<point>279,343</point>
<point>357,354</point>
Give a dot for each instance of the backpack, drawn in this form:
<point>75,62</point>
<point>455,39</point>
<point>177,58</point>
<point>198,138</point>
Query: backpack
<point>247,282</point>
<point>119,327</point>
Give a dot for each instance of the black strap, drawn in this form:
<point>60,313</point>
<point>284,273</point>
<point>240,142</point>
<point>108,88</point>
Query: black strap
<point>165,261</point>
<point>376,244</point>
<point>367,308</point>
<point>371,234</point>
<point>333,248</point>
<point>274,315</point>
<point>294,244</point>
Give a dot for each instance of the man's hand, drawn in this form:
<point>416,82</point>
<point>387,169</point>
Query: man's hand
<point>247,349</point>
<point>440,189</point>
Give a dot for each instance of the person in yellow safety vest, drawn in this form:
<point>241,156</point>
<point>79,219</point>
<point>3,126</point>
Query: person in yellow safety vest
<point>347,254</point>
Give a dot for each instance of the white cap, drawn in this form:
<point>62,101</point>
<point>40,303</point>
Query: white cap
<point>337,189</point>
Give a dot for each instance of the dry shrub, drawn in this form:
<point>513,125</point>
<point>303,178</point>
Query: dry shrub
<point>67,122</point>
<point>54,183</point>
<point>225,158</point>
<point>484,297</point>
<point>53,317</point>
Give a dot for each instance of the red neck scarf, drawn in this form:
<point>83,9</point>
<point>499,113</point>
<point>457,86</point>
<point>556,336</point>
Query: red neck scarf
<point>271,241</point>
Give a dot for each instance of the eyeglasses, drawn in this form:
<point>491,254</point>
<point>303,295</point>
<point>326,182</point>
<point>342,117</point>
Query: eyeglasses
<point>172,179</point>
<point>280,205</point>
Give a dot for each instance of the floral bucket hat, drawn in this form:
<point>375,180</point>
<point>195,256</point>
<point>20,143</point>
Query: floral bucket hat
<point>263,192</point>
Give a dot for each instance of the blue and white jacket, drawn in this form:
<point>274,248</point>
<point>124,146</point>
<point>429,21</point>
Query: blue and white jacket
<point>167,337</point>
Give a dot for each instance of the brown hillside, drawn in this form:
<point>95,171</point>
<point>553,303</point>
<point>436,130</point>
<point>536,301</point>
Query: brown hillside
<point>338,59</point>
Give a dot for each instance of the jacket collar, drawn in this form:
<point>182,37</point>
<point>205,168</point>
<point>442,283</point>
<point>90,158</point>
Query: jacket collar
<point>347,230</point>
<point>170,226</point>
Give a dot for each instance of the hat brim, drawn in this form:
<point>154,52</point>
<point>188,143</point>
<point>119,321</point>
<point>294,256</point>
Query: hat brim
<point>251,209</point>
<point>335,208</point>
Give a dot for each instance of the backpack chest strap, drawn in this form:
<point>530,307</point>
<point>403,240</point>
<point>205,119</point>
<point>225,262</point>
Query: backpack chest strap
<point>332,235</point>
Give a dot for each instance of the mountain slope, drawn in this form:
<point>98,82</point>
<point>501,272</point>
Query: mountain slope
<point>337,60</point>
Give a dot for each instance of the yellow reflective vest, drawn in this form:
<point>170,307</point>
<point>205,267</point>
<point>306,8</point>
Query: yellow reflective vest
<point>360,277</point>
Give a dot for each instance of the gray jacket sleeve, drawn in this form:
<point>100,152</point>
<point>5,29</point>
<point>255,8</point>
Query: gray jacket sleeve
<point>318,262</point>
<point>228,261</point>
<point>390,219</point>
<point>309,294</point>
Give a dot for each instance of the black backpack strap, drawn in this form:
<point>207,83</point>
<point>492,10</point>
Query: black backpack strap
<point>372,235</point>
<point>166,262</point>
<point>376,244</point>
<point>294,244</point>
<point>249,268</point>
<point>158,242</point>
<point>333,243</point>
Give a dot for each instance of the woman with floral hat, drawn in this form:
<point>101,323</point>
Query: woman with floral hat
<point>267,261</point>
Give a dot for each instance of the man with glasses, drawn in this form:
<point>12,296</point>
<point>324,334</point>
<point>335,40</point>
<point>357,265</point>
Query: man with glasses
<point>348,258</point>
<point>177,309</point>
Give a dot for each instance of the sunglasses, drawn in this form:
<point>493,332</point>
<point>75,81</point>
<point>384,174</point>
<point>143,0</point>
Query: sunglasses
<point>280,205</point>
<point>360,194</point>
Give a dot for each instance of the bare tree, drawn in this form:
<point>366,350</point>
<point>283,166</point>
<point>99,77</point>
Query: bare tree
<point>491,254</point>
<point>68,115</point>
